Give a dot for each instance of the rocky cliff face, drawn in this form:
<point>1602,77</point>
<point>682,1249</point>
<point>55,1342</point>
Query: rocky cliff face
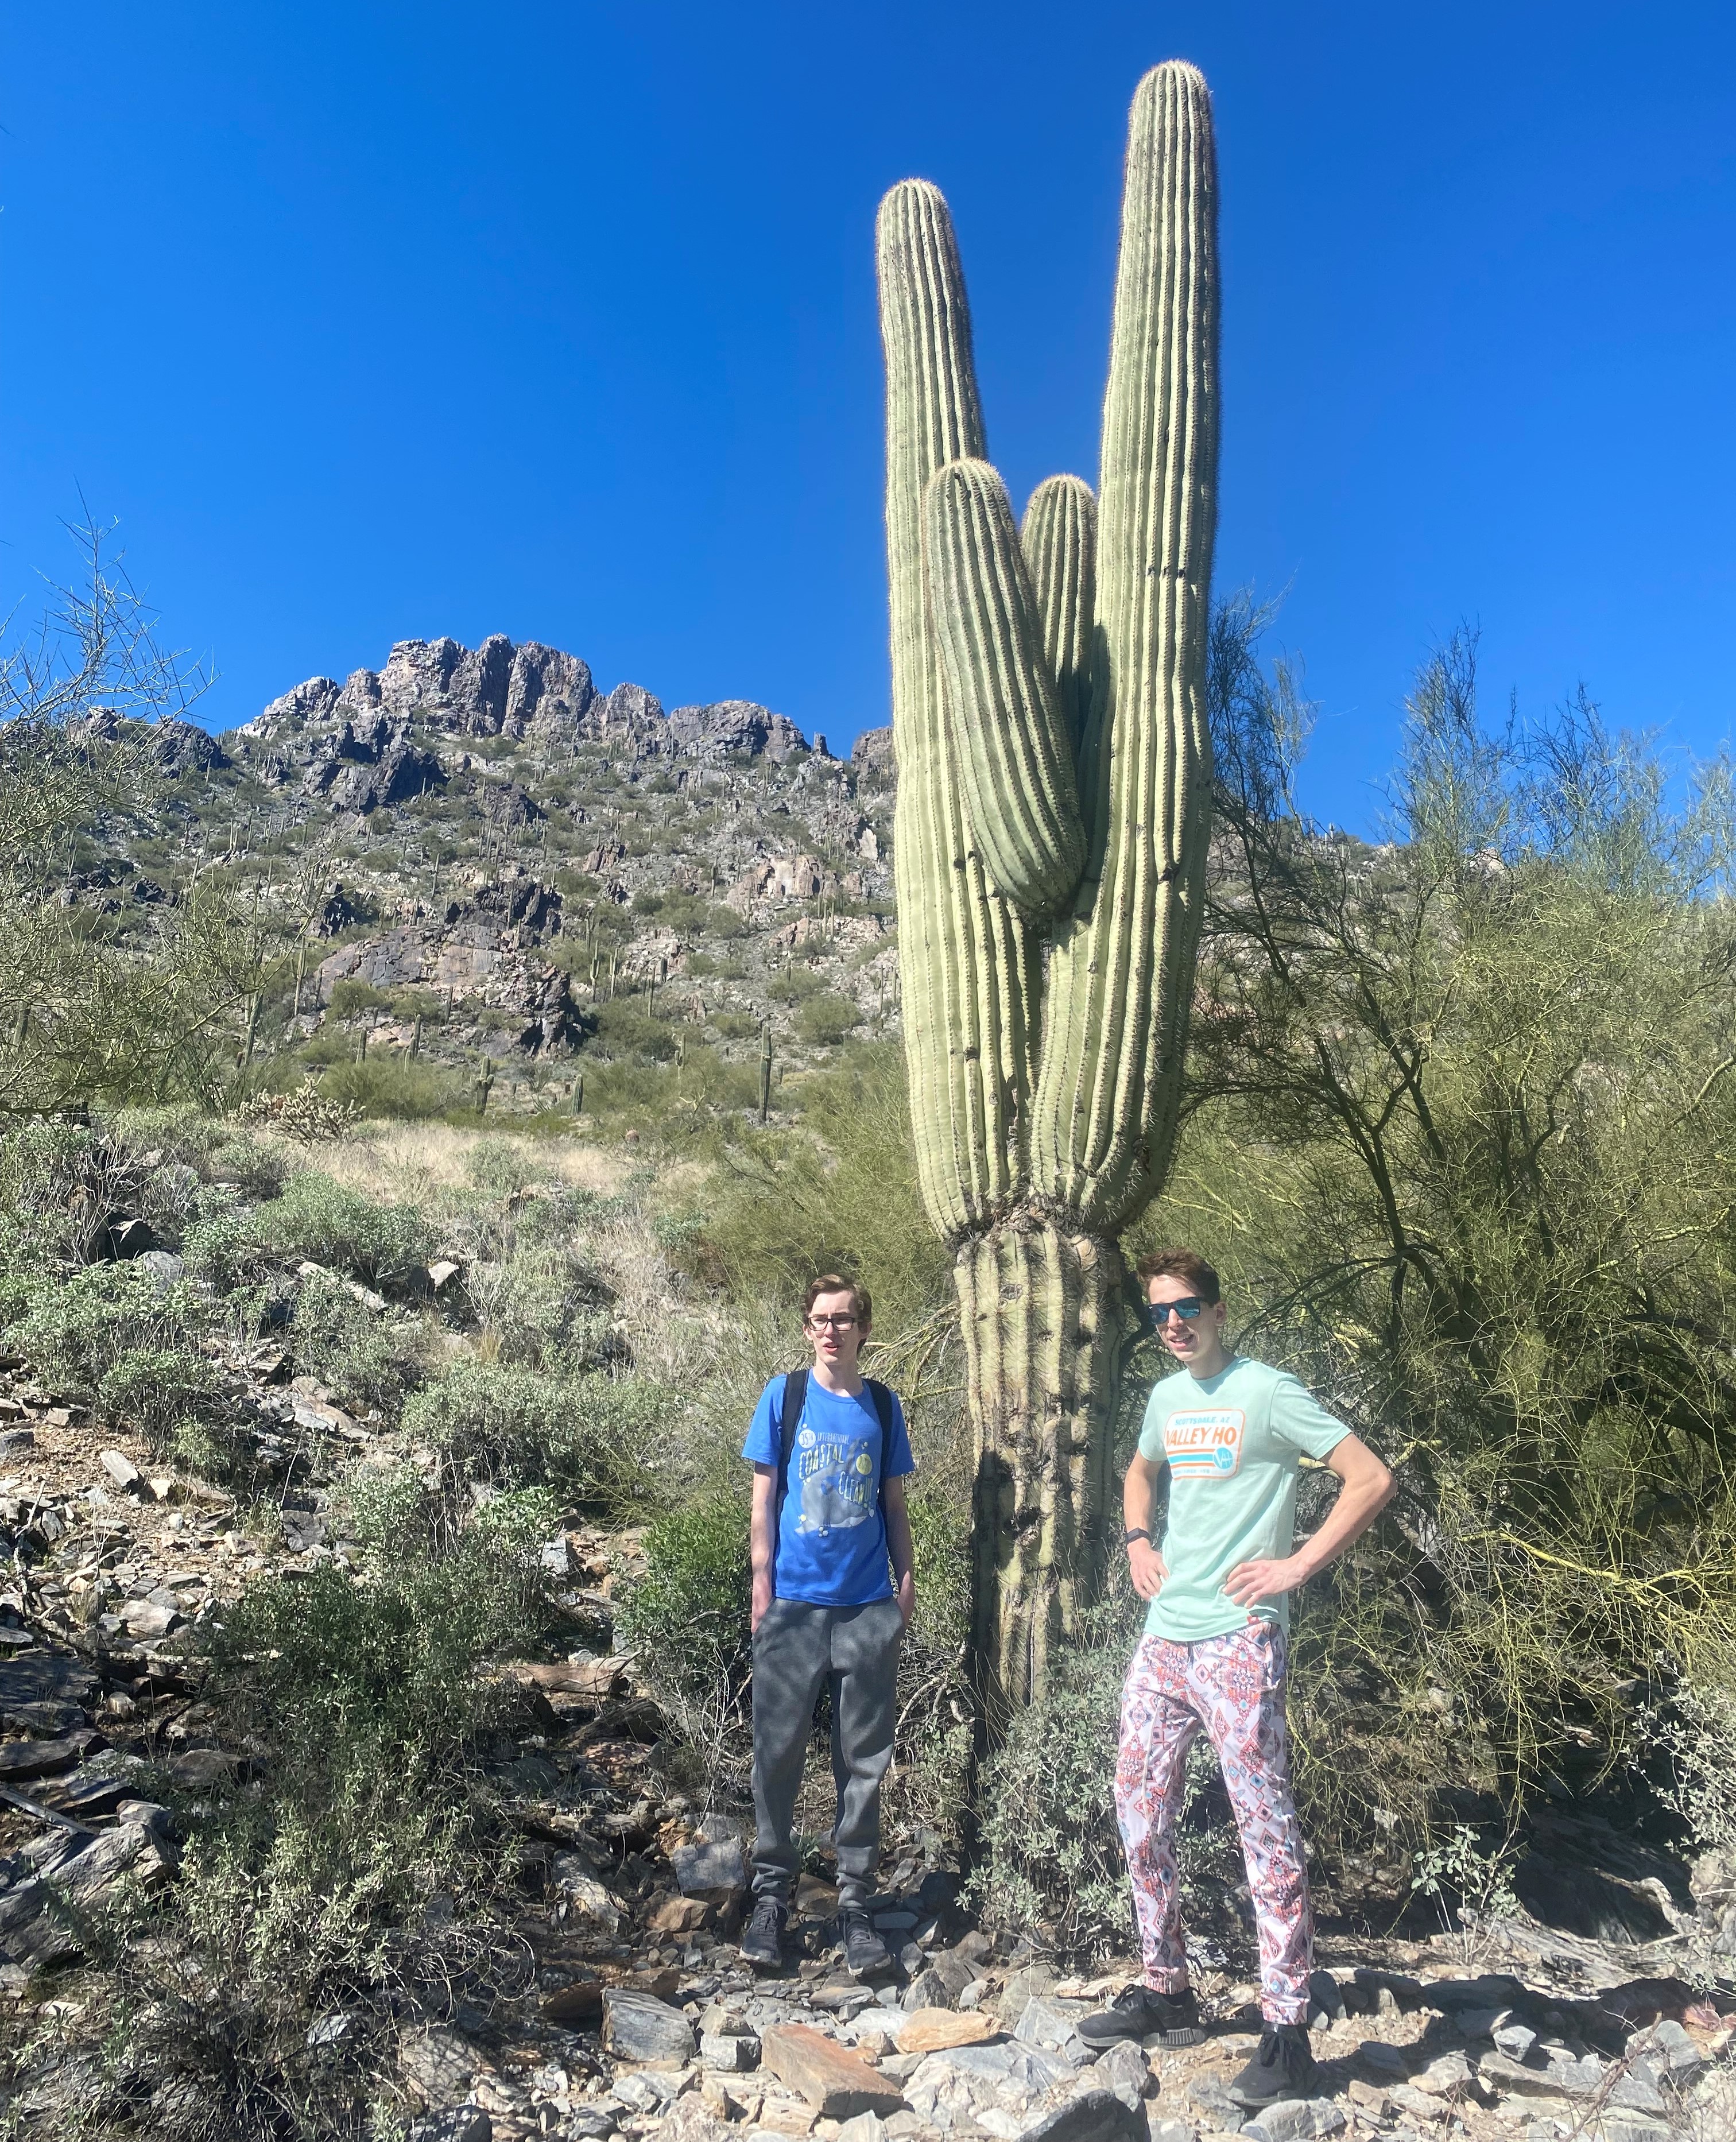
<point>526,694</point>
<point>519,850</point>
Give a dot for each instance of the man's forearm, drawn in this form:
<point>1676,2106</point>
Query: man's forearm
<point>1139,1496</point>
<point>902,1546</point>
<point>1358,1503</point>
<point>760,1535</point>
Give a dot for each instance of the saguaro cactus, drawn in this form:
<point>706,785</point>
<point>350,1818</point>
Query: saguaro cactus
<point>1050,715</point>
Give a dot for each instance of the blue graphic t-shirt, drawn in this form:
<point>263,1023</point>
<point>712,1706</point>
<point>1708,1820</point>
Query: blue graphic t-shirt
<point>831,1534</point>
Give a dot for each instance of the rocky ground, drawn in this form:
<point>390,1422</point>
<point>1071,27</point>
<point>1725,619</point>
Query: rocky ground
<point>634,2016</point>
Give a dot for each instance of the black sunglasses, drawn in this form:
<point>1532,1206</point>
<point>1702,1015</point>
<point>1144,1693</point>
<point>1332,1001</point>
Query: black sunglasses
<point>1188,1309</point>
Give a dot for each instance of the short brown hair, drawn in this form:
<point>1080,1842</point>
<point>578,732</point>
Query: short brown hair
<point>861,1307</point>
<point>1179,1264</point>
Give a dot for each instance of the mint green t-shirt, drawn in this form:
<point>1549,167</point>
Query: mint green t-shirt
<point>1232,1443</point>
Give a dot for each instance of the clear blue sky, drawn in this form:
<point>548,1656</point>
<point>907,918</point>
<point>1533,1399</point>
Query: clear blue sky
<point>376,321</point>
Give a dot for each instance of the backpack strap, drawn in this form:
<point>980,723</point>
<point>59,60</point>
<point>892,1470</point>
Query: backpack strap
<point>794,1398</point>
<point>882,1398</point>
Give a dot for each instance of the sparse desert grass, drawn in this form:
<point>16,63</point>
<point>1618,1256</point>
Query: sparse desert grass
<point>403,1163</point>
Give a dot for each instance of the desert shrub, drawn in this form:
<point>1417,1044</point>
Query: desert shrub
<point>342,1342</point>
<point>542,1308</point>
<point>582,1437</point>
<point>399,1088</point>
<point>1052,1861</point>
<point>349,998</point>
<point>320,1051</point>
<point>1686,1749</point>
<point>736,1025</point>
<point>76,1328</point>
<point>623,1030</point>
<point>365,1702</point>
<point>688,1615</point>
<point>321,1220</point>
<point>161,1390</point>
<point>824,1020</point>
<point>794,985</point>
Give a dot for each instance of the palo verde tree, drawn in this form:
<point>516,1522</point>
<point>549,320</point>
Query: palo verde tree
<point>1053,809</point>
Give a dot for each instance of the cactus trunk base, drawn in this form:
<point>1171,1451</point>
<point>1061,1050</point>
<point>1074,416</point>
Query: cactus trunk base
<point>1040,1310</point>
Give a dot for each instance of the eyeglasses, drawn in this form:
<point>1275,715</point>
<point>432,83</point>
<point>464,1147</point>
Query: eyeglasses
<point>842,1323</point>
<point>1188,1309</point>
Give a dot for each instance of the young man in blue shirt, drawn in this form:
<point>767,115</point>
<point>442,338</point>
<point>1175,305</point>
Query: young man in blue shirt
<point>833,1593</point>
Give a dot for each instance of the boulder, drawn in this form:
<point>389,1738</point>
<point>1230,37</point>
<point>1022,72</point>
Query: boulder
<point>713,1859</point>
<point>1054,2026</point>
<point>636,2026</point>
<point>837,2083</point>
<point>457,2123</point>
<point>1125,2070</point>
<point>1093,2116</point>
<point>437,2064</point>
<point>939,2029</point>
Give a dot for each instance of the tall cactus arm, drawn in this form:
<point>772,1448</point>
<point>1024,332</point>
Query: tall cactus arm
<point>1122,972</point>
<point>969,975</point>
<point>1060,536</point>
<point>1009,735</point>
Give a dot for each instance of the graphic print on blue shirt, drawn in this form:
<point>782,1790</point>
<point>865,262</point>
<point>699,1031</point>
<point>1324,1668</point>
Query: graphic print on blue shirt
<point>831,1533</point>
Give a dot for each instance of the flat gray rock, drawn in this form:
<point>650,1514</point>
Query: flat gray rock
<point>457,2123</point>
<point>638,2027</point>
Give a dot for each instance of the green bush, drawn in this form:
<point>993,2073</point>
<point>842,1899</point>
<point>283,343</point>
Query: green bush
<point>1052,1855</point>
<point>159,1391</point>
<point>349,997</point>
<point>397,1088</point>
<point>824,1020</point>
<point>319,1219</point>
<point>581,1437</point>
<point>838,1195</point>
<point>688,1618</point>
<point>623,1030</point>
<point>340,1340</point>
<point>75,1330</point>
<point>736,1025</point>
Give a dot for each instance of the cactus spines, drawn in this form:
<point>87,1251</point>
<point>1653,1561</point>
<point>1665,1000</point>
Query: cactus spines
<point>1104,1117</point>
<point>1060,536</point>
<point>1008,731</point>
<point>1048,706</point>
<point>967,976</point>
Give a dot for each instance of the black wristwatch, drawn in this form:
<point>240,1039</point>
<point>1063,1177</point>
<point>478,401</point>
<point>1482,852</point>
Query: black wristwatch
<point>1138,1532</point>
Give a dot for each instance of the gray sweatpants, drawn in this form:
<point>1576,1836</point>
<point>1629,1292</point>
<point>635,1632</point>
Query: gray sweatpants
<point>798,1648</point>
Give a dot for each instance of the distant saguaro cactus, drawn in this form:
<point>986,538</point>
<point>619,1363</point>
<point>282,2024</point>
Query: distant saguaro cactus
<point>1054,813</point>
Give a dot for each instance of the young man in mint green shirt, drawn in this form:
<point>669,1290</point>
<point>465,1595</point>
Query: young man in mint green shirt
<point>1233,1433</point>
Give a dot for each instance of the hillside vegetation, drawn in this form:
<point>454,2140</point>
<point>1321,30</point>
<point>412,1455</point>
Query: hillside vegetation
<point>466,1396</point>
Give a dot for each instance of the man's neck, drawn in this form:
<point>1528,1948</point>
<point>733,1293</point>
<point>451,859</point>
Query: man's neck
<point>844,1385</point>
<point>1203,1371</point>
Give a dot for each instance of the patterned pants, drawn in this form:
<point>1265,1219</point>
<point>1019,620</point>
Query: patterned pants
<point>1233,1686</point>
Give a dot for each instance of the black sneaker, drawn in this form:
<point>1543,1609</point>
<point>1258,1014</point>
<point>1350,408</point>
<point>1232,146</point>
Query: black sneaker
<point>1282,2067</point>
<point>865,1954</point>
<point>762,1936</point>
<point>1137,2012</point>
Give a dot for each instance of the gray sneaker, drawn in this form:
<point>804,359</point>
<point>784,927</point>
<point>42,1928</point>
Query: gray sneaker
<point>865,1954</point>
<point>762,1936</point>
